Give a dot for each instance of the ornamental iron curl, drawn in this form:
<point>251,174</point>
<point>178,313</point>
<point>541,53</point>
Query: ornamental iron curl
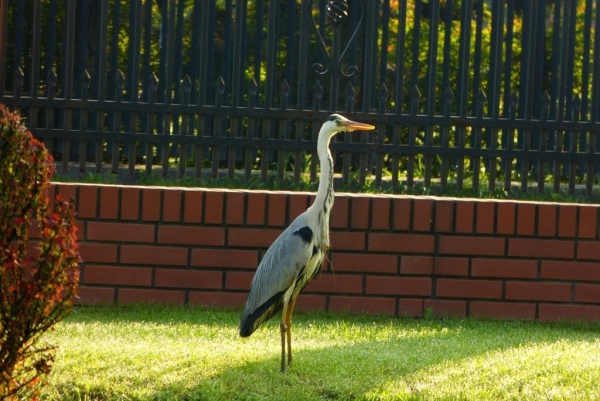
<point>337,11</point>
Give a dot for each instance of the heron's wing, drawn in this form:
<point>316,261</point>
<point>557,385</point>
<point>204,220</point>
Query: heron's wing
<point>282,264</point>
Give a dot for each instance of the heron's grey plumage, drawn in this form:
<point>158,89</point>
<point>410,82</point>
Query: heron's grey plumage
<point>297,254</point>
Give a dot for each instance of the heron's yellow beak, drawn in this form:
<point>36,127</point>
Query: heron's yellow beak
<point>354,126</point>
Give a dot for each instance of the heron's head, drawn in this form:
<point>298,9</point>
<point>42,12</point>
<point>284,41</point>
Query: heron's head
<point>336,123</point>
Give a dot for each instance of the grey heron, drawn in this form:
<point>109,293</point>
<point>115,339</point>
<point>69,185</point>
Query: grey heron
<point>296,255</point>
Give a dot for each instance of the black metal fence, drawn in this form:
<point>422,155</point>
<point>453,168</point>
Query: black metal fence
<point>475,92</point>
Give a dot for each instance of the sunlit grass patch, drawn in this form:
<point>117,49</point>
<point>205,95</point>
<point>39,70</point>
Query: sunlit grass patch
<point>149,352</point>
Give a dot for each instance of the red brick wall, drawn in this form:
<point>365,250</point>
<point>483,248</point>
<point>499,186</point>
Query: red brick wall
<point>396,255</point>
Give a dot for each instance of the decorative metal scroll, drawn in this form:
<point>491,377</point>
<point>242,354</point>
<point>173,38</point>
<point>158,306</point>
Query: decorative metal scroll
<point>337,11</point>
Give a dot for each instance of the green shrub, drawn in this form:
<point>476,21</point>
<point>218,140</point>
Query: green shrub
<point>38,277</point>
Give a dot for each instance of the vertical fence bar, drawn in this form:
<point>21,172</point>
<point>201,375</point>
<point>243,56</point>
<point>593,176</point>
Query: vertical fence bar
<point>116,121</point>
<point>3,43</point>
<point>68,65</point>
<point>85,82</point>
<point>510,142</point>
<point>476,132</point>
<point>573,140</point>
<point>317,91</point>
<point>381,130</point>
<point>543,145</point>
<point>186,87</point>
<point>251,129</point>
<point>150,123</point>
<point>283,134</point>
<point>445,169</point>
<point>400,57</point>
<point>217,132</point>
<point>347,155</point>
<point>412,137</point>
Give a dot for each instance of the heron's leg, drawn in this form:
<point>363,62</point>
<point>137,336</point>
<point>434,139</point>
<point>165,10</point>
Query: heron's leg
<point>290,310</point>
<point>283,328</point>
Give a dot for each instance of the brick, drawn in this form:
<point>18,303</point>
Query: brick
<point>252,237</point>
<point>359,213</point>
<point>570,271</point>
<point>546,220</point>
<point>505,218</point>
<point>416,265</point>
<point>218,299</point>
<point>131,295</point>
<point>120,275</point>
<point>588,250</point>
<point>504,268</point>
<point>226,258</point>
<point>465,213</point>
<point>336,284</point>
<point>347,241</point>
<point>171,208</point>
<point>153,255</point>
<point>87,202</point>
<point>97,253</point>
<point>441,308</point>
<point>120,232</point>
<point>485,217</point>
<point>277,210</point>
<point>213,207</point>
<point>541,248</point>
<point>184,278</point>
<point>192,206</point>
<point>525,219</point>
<point>151,204</point>
<point>567,221</point>
<point>255,209</point>
<point>95,295</point>
<point>130,203</point>
<point>457,288</point>
<point>380,214</point>
<point>373,305</point>
<point>460,245</point>
<point>238,280</point>
<point>444,266</point>
<point>364,262</point>
<point>410,307</point>
<point>555,312</point>
<point>298,203</point>
<point>404,243</point>
<point>444,216</point>
<point>234,208</point>
<point>403,286</point>
<point>528,291</point>
<point>588,293</point>
<point>502,310</point>
<point>401,214</point>
<point>339,212</point>
<point>187,235</point>
<point>422,217</point>
<point>310,302</point>
<point>588,217</point>
<point>109,202</point>
<point>67,191</point>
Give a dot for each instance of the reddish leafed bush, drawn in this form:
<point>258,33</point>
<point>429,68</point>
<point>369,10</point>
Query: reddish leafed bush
<point>38,277</point>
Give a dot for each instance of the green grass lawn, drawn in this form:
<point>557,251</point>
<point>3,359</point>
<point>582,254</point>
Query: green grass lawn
<point>158,353</point>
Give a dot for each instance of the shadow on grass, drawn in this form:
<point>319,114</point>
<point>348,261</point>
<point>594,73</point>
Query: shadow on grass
<point>381,355</point>
<point>340,356</point>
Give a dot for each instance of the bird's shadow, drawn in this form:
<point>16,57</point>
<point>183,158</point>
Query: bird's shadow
<point>362,367</point>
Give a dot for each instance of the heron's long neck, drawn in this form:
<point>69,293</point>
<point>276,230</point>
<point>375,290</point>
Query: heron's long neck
<point>324,200</point>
